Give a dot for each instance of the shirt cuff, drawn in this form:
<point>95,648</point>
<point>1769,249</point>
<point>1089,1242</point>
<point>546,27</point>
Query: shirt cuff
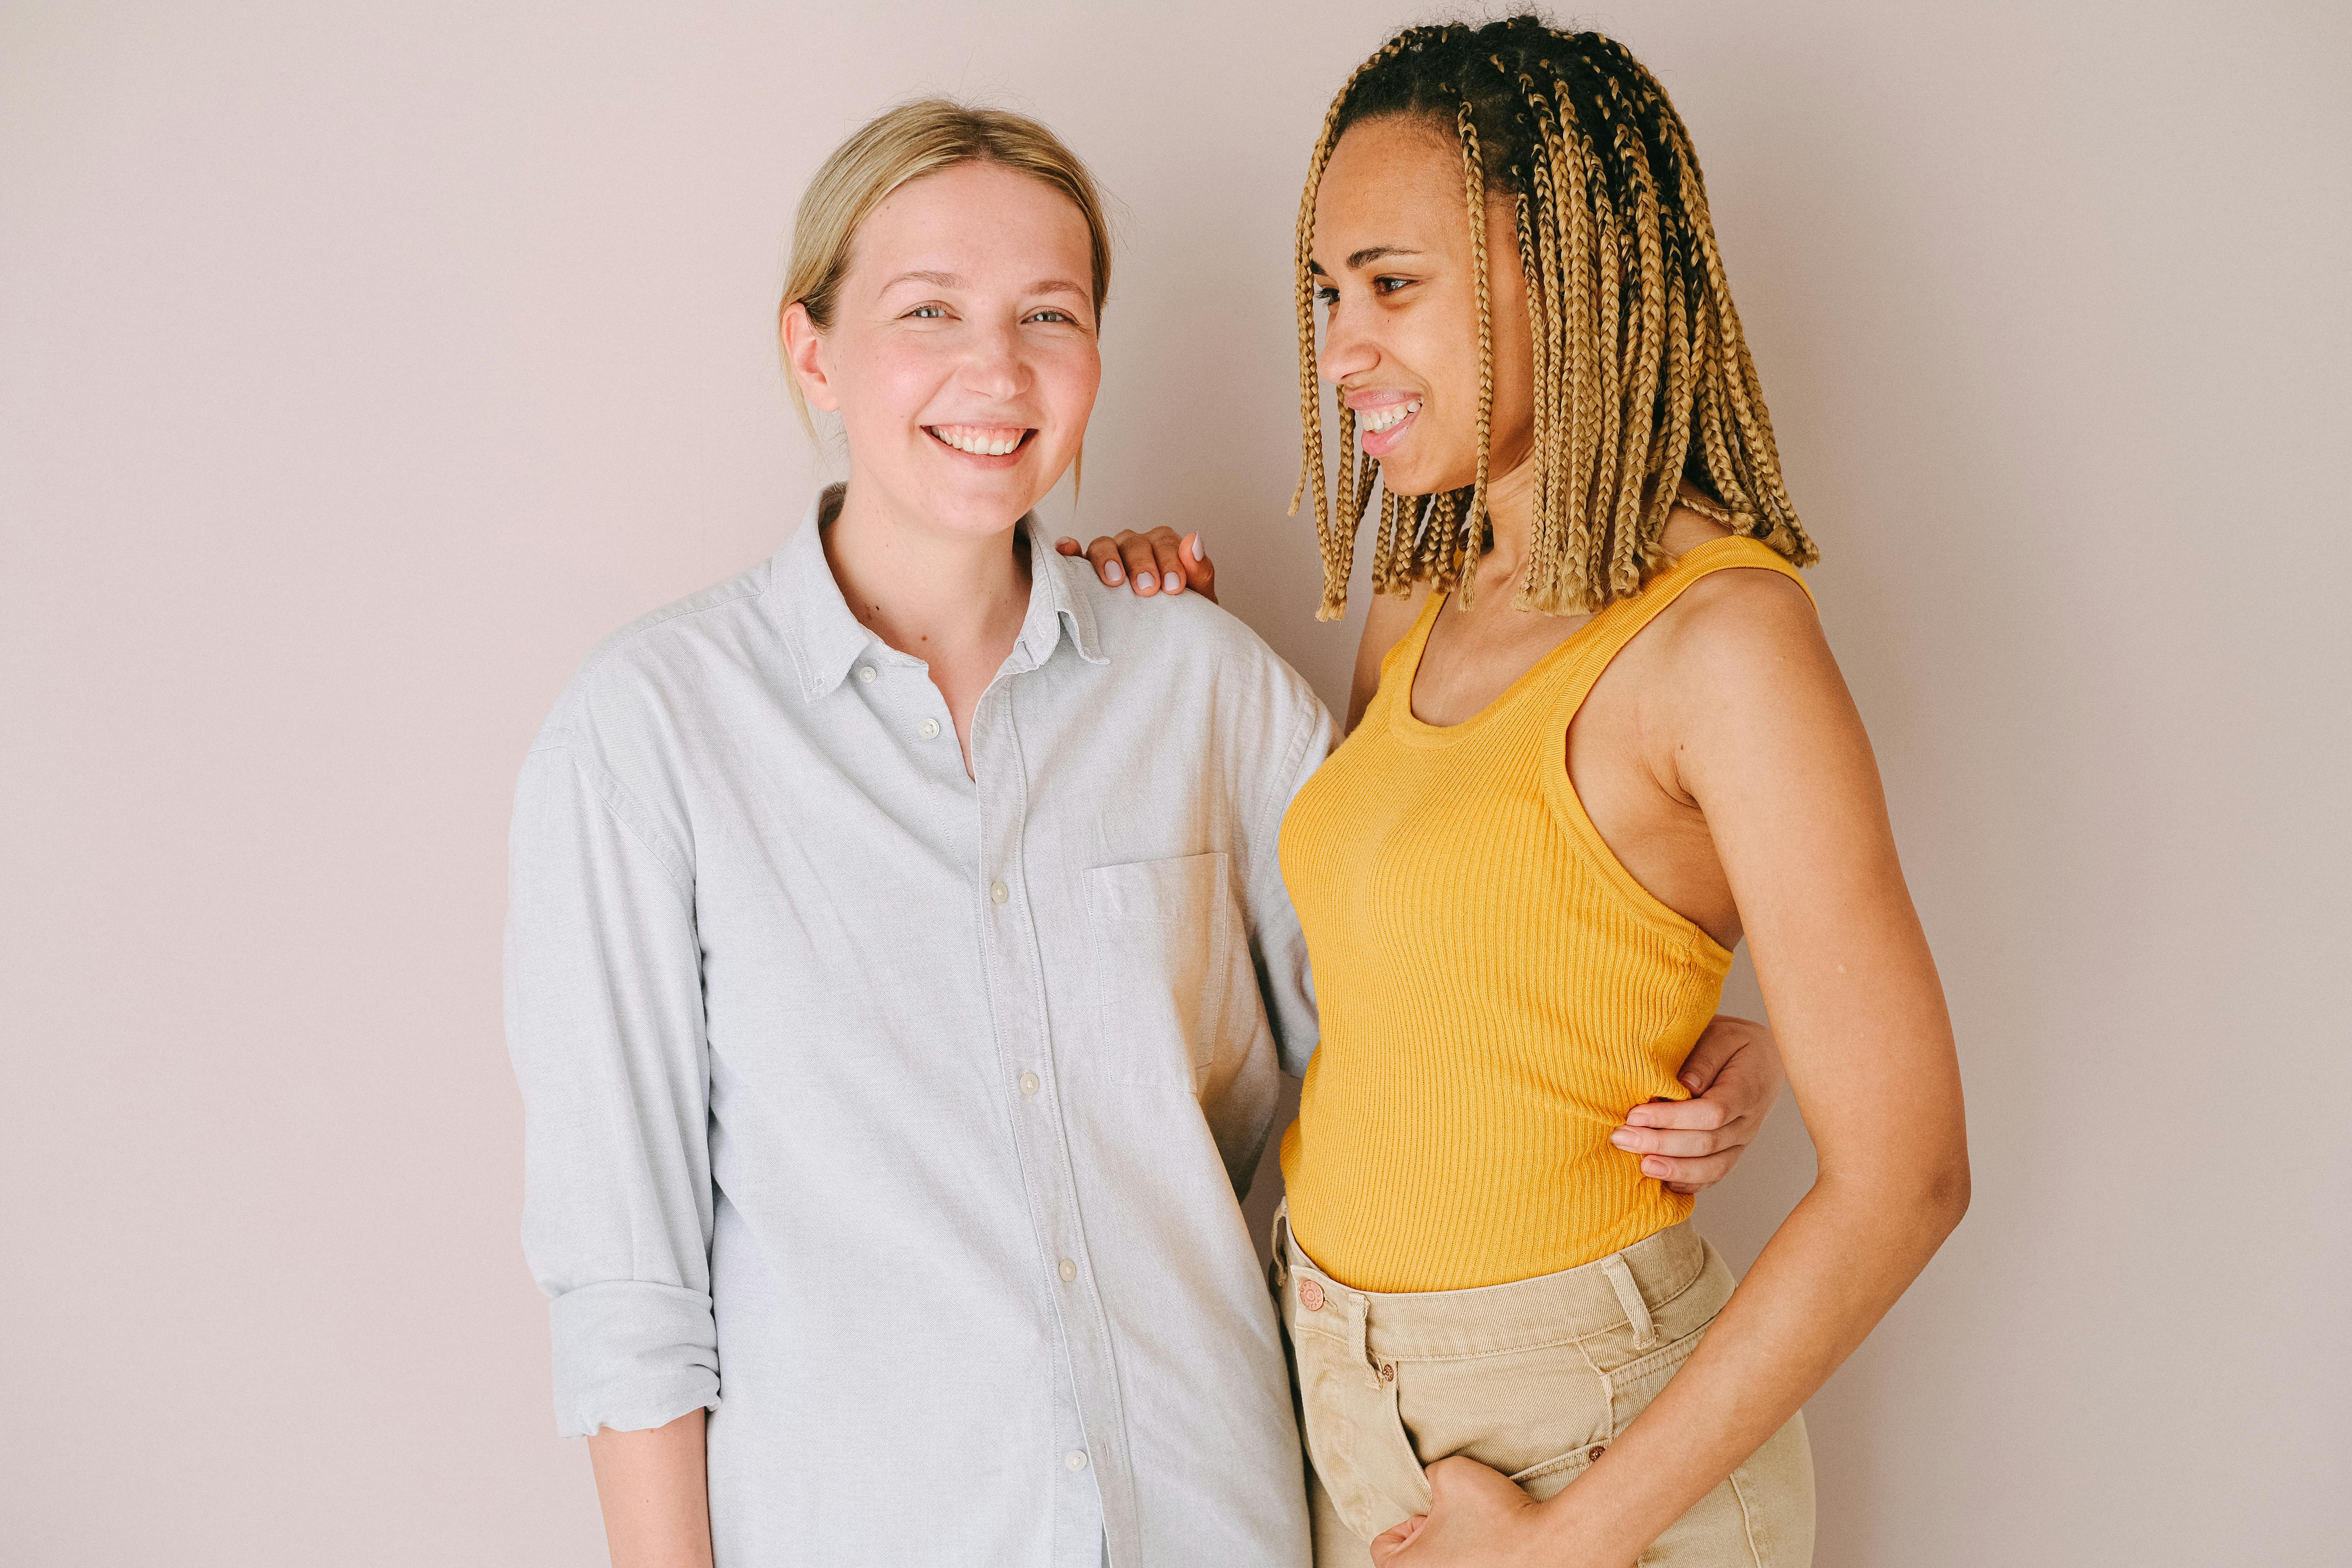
<point>630,1355</point>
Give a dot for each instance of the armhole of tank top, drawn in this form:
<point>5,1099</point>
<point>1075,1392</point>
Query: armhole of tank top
<point>1568,807</point>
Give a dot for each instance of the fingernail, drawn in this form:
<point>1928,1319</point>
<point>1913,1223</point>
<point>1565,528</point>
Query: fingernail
<point>1655,1168</point>
<point>1113,575</point>
<point>1172,582</point>
<point>1622,1138</point>
<point>1196,549</point>
<point>1690,1082</point>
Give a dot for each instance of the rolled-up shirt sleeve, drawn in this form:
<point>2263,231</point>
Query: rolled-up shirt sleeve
<point>604,1022</point>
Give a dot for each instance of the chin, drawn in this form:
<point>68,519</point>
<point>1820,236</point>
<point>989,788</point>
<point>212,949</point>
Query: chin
<point>992,510</point>
<point>1410,479</point>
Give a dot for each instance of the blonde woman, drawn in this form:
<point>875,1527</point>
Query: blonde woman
<point>899,969</point>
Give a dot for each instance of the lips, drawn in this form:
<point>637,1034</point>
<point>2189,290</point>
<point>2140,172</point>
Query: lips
<point>1386,422</point>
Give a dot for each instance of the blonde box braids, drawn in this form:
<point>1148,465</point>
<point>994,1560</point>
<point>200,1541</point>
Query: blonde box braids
<point>1642,376</point>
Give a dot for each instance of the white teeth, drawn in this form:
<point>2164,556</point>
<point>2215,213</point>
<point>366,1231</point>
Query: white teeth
<point>978,446</point>
<point>1377,420</point>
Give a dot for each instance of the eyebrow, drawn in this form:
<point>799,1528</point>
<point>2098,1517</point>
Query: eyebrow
<point>1366,255</point>
<point>950,280</point>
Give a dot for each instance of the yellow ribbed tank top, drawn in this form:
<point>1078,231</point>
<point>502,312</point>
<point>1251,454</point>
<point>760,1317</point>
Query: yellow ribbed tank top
<point>1496,991</point>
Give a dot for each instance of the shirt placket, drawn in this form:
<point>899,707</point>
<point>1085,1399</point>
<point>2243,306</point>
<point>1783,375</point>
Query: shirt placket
<point>1016,988</point>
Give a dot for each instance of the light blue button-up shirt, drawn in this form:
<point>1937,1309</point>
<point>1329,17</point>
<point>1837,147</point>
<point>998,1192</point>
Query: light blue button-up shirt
<point>897,1115</point>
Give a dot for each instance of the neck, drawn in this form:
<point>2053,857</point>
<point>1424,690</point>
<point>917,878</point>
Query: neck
<point>945,596</point>
<point>1510,514</point>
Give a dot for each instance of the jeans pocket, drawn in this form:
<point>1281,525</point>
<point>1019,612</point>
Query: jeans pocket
<point>1547,1480</point>
<point>1632,1386</point>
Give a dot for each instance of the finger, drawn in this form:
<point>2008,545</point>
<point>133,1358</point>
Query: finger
<point>1142,561</point>
<point>1389,1541</point>
<point>1750,1081</point>
<point>1724,1038</point>
<point>1688,1176</point>
<point>1171,560</point>
<point>1200,572</point>
<point>1680,1145</point>
<point>1104,554</point>
<point>1704,1114</point>
<point>1065,546</point>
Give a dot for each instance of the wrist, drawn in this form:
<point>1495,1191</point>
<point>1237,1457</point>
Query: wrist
<point>1582,1532</point>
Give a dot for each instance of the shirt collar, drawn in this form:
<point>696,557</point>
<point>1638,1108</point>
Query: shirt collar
<point>826,639</point>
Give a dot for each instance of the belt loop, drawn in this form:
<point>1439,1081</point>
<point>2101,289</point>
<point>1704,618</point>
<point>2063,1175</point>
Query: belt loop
<point>1629,1296</point>
<point>1276,1238</point>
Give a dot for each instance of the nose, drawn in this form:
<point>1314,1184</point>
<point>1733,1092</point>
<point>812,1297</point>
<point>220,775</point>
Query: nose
<point>1347,351</point>
<point>994,366</point>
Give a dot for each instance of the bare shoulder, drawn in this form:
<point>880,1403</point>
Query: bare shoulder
<point>1741,631</point>
<point>1739,606</point>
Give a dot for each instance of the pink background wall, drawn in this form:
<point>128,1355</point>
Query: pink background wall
<point>361,365</point>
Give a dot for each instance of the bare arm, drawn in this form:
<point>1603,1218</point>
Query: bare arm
<point>655,1494</point>
<point>1757,729</point>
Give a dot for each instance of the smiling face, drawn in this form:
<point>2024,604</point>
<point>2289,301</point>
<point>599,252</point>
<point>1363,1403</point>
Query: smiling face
<point>1394,268</point>
<point>961,357</point>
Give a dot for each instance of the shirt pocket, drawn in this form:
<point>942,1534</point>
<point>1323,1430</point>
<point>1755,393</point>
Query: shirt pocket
<point>1170,986</point>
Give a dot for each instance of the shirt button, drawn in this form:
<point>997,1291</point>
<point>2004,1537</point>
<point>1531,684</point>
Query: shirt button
<point>1070,1269</point>
<point>999,891</point>
<point>1595,1452</point>
<point>1075,1459</point>
<point>1028,1083</point>
<point>929,729</point>
<point>865,672</point>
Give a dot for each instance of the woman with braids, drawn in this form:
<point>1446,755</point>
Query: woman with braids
<point>1597,740</point>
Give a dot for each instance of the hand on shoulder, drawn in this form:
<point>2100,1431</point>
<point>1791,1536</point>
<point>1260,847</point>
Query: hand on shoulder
<point>1149,562</point>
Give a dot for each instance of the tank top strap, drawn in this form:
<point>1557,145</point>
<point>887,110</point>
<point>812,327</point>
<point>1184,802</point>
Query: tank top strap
<point>1600,639</point>
<point>1563,677</point>
<point>1416,637</point>
<point>1406,652</point>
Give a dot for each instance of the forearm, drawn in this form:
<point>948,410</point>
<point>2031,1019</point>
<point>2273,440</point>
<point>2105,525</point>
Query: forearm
<point>1830,1273</point>
<point>655,1493</point>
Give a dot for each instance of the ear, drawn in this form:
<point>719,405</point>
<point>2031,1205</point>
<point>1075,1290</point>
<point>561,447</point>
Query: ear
<point>805,357</point>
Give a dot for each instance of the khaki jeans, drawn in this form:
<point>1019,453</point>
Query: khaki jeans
<point>1536,1379</point>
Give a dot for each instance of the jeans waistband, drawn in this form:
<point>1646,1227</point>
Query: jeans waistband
<point>1622,1289</point>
